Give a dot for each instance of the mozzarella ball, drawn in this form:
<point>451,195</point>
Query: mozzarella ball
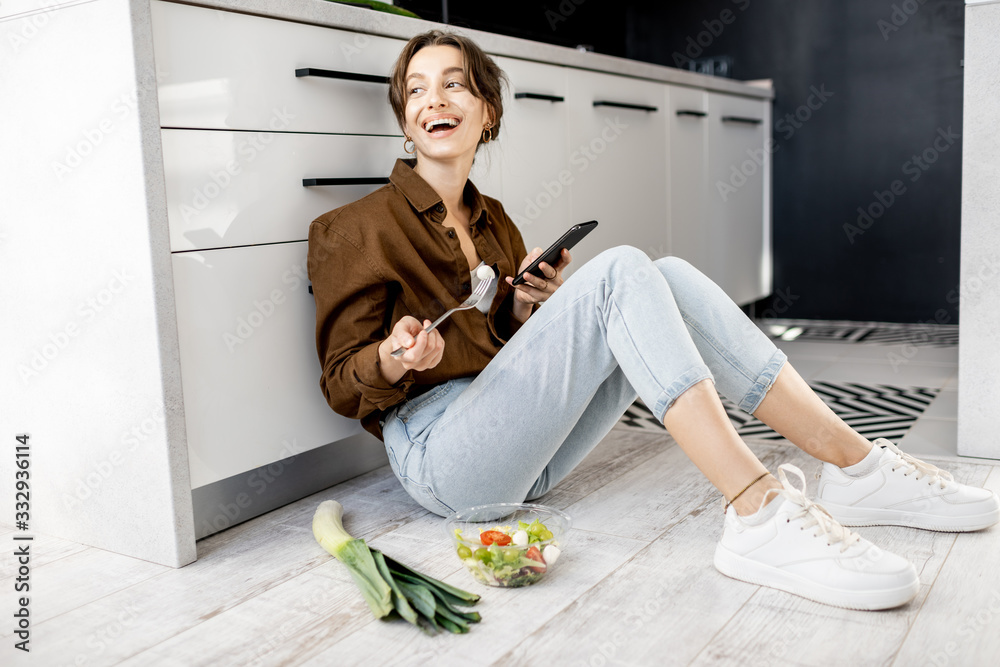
<point>550,553</point>
<point>485,272</point>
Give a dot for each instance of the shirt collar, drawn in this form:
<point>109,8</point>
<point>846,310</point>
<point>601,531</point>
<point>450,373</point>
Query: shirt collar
<point>423,197</point>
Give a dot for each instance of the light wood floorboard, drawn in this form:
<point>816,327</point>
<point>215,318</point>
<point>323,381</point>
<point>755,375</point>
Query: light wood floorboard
<point>635,586</point>
<point>959,623</point>
<point>44,549</point>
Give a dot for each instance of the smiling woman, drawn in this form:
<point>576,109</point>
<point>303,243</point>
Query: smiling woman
<point>460,66</point>
<point>498,405</point>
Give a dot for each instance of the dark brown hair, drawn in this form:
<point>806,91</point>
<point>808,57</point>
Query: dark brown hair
<point>485,79</point>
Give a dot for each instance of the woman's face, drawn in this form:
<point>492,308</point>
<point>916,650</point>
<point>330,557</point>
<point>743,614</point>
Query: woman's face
<point>443,118</point>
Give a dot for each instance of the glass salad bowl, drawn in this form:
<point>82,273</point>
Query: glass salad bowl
<point>508,544</point>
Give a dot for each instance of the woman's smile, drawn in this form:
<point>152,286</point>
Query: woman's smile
<point>441,125</point>
<point>444,118</point>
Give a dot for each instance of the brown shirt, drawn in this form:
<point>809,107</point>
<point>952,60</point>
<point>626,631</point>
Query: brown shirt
<point>387,255</point>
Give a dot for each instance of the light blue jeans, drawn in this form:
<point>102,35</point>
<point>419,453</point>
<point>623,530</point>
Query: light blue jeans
<point>621,326</point>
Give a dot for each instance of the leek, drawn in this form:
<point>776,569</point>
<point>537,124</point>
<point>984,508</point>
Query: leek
<point>386,584</point>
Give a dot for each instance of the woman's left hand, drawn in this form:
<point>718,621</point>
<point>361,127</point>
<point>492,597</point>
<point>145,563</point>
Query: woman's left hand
<point>536,289</point>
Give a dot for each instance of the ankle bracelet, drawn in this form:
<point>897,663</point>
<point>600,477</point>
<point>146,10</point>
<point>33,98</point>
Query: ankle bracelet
<point>762,476</point>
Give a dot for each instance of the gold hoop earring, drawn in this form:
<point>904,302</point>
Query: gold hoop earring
<point>413,146</point>
<point>487,134</point>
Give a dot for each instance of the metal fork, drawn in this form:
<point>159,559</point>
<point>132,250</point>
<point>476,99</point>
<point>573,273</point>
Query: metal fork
<point>471,302</point>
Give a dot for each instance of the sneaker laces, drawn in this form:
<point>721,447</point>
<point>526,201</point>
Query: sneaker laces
<point>915,465</point>
<point>812,514</point>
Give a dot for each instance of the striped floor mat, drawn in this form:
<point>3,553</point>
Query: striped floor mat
<point>928,335</point>
<point>873,410</point>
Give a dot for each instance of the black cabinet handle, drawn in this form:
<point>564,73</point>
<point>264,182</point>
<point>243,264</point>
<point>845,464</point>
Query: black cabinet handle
<point>538,96</point>
<point>335,74</point>
<point>689,112</point>
<point>375,180</point>
<point>740,119</point>
<point>623,105</point>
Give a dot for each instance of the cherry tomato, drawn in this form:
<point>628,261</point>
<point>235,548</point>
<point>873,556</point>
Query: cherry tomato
<point>489,537</point>
<point>536,555</point>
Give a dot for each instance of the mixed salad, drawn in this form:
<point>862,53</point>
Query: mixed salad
<point>507,556</point>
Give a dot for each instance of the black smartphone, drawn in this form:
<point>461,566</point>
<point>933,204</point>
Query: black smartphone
<point>554,253</point>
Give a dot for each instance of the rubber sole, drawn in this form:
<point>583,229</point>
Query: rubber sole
<point>735,566</point>
<point>861,516</point>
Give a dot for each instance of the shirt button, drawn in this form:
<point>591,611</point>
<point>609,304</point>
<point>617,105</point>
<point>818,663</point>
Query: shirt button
<point>439,208</point>
<point>451,233</point>
<point>466,286</point>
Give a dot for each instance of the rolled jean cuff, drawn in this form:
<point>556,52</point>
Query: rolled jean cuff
<point>679,386</point>
<point>764,381</point>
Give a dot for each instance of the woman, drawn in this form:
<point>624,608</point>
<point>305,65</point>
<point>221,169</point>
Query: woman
<point>500,402</point>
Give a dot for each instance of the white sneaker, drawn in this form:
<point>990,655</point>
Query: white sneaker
<point>905,491</point>
<point>804,551</point>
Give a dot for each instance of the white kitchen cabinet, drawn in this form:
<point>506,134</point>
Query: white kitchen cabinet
<point>738,214</point>
<point>242,188</point>
<point>250,373</point>
<point>224,70</point>
<point>719,188</point>
<point>617,158</point>
<point>532,153</point>
<point>687,152</point>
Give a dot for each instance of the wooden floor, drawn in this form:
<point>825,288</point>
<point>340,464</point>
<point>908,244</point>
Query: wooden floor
<point>635,586</point>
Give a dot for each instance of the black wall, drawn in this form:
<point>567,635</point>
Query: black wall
<point>884,80</point>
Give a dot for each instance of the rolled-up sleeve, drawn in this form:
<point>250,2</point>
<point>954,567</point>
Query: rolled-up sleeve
<point>351,300</point>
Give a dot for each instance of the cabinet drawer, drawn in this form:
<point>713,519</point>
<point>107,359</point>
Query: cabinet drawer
<point>618,143</point>
<point>243,188</point>
<point>249,370</point>
<point>738,163</point>
<point>219,69</point>
<point>533,139</point>
<point>687,149</point>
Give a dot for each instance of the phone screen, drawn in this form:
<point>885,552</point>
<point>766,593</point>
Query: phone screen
<point>554,252</point>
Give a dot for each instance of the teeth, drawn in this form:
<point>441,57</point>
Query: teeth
<point>429,125</point>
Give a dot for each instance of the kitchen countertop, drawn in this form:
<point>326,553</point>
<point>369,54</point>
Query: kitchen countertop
<point>320,12</point>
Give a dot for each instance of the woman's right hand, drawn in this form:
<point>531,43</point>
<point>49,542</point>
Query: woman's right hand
<point>423,350</point>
